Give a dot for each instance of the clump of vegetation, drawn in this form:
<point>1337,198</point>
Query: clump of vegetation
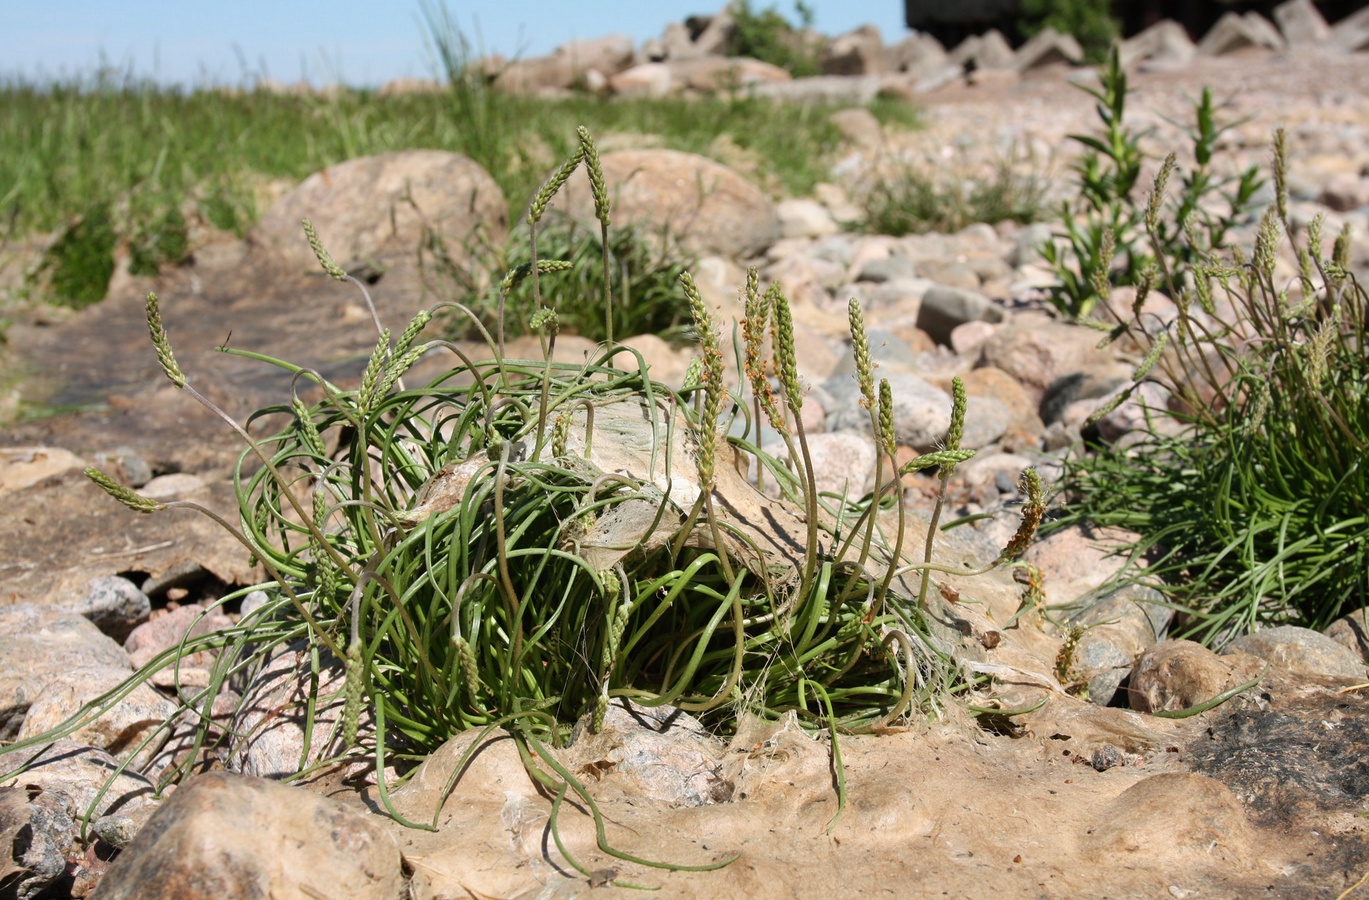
<point>910,201</point>
<point>81,262</point>
<point>1249,489</point>
<point>1090,22</point>
<point>770,37</point>
<point>1107,240</point>
<point>517,544</point>
<point>643,274</point>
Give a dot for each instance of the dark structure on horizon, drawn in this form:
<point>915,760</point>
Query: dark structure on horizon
<point>952,22</point>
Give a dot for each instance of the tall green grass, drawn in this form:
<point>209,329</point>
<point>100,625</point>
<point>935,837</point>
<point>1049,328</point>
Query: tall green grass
<point>149,158</point>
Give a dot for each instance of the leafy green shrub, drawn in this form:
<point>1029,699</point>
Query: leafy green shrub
<point>1249,490</point>
<point>908,201</point>
<point>769,37</point>
<point>643,275</point>
<point>1108,240</point>
<point>516,543</point>
<point>1090,21</point>
<point>82,260</point>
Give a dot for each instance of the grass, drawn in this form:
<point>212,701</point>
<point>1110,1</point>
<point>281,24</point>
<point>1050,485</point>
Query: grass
<point>906,199</point>
<point>152,159</point>
<point>467,553</point>
<point>1249,490</point>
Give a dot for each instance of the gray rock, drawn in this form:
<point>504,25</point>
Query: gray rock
<point>1234,32</point>
<point>1048,47</point>
<point>121,731</point>
<point>835,90</point>
<point>1037,351</point>
<point>989,50</point>
<point>805,219</point>
<point>1301,23</point>
<point>707,207</point>
<point>918,55</point>
<point>113,604</point>
<point>887,269</point>
<point>1175,675</point>
<point>1118,625</point>
<point>1352,632</point>
<point>858,52</point>
<point>272,716</point>
<point>659,753</point>
<point>1092,383</point>
<point>859,126</point>
<point>922,413</point>
<point>1029,241</point>
<point>1352,33</point>
<point>1301,651</point>
<point>165,632</point>
<point>222,835</point>
<point>37,645</point>
<point>986,420</point>
<point>376,209</point>
<point>943,308</point>
<point>37,832</point>
<point>84,774</point>
<point>173,486</point>
<point>843,463</point>
<point>1166,43</point>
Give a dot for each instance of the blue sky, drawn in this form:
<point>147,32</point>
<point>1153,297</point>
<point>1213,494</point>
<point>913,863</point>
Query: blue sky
<point>360,43</point>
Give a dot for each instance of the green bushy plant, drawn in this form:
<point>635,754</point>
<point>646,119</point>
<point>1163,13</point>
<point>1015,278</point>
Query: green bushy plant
<point>81,262</point>
<point>909,201</point>
<point>467,555</point>
<point>769,37</point>
<point>1106,238</point>
<point>1249,489</point>
<point>1090,21</point>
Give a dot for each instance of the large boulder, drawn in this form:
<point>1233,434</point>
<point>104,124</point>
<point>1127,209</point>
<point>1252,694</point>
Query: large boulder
<point>1301,23</point>
<point>703,205</point>
<point>224,835</point>
<point>37,645</point>
<point>1234,32</point>
<point>858,52</point>
<point>1165,43</point>
<point>376,209</point>
<point>567,65</point>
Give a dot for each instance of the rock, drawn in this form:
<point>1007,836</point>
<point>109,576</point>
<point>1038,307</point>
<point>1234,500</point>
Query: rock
<point>951,273</point>
<point>922,413</point>
<point>1076,561</point>
<point>1345,192</point>
<point>665,363</point>
<point>1127,422</point>
<point>715,73</point>
<point>887,269</point>
<point>651,79</point>
<point>125,464</point>
<point>1037,352</point>
<point>843,463</point>
<point>37,645</point>
<point>1197,819</point>
<point>716,34</point>
<point>805,219</point>
<point>113,604</point>
<point>1301,23</point>
<point>1024,427</point>
<point>405,87</point>
<point>829,90</point>
<point>1351,34</point>
<point>989,50</point>
<point>21,467</point>
<point>272,716</point>
<point>918,55</point>
<point>158,635</point>
<point>1234,32</point>
<point>859,126</point>
<point>659,753</point>
<point>175,486</point>
<point>37,833</point>
<point>838,203</point>
<point>567,65</point>
<point>858,52</point>
<point>1352,632</point>
<point>1092,383</point>
<point>1175,675</point>
<point>944,307</point>
<point>84,774</point>
<point>708,208</point>
<point>1166,43</point>
<point>119,732</point>
<point>222,835</point>
<point>1048,47</point>
<point>1301,651</point>
<point>376,209</point>
<point>1118,624</point>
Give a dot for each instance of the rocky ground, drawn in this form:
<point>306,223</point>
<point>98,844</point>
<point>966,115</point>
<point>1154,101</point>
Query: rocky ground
<point>1265,794</point>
